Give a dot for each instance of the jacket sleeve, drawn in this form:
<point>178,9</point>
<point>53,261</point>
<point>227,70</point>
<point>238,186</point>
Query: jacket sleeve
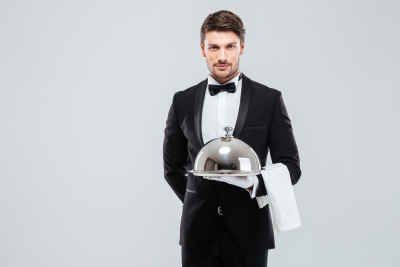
<point>283,147</point>
<point>175,154</point>
<point>262,190</point>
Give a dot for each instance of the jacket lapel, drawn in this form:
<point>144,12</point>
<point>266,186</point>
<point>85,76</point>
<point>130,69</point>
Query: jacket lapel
<point>198,110</point>
<point>243,107</point>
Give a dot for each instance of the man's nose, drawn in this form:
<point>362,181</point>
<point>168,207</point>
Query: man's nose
<point>222,56</point>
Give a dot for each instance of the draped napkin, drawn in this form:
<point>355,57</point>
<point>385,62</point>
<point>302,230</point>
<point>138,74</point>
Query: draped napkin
<point>281,198</point>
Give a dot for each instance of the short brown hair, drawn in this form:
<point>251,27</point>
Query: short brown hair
<point>223,21</point>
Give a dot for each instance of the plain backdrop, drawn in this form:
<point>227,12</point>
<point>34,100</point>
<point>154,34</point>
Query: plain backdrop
<point>85,88</point>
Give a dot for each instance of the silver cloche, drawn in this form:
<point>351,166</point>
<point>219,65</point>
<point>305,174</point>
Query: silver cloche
<point>226,156</point>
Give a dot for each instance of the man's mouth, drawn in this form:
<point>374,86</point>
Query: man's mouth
<point>222,66</point>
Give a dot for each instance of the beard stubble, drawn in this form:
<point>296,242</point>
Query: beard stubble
<point>234,68</point>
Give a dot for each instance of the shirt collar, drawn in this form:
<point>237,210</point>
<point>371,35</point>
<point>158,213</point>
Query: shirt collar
<point>235,79</point>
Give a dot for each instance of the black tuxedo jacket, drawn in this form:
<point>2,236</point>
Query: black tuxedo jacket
<point>264,124</point>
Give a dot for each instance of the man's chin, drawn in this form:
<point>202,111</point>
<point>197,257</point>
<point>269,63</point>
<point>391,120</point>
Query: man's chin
<point>222,74</point>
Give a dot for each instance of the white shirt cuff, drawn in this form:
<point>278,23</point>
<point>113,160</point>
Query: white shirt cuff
<point>253,190</point>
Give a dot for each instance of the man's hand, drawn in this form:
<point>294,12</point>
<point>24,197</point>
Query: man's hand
<point>245,182</point>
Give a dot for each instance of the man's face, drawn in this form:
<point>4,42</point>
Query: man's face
<point>222,51</point>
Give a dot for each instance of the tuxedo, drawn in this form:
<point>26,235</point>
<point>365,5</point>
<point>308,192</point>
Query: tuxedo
<point>264,124</point>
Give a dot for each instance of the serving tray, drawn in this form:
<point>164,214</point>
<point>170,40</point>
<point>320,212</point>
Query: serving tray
<point>224,173</point>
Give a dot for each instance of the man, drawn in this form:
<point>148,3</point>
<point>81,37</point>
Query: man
<point>222,223</point>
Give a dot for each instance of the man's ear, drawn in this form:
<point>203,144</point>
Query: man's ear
<point>202,50</point>
<point>242,49</point>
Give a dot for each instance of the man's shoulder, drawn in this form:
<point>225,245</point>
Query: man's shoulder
<point>264,89</point>
<point>188,93</point>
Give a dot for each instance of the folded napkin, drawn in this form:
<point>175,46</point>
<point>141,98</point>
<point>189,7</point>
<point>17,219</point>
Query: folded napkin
<point>280,197</point>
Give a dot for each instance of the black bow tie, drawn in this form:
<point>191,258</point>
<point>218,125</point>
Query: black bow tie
<point>229,87</point>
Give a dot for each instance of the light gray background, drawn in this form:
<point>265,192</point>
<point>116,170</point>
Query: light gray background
<point>85,87</point>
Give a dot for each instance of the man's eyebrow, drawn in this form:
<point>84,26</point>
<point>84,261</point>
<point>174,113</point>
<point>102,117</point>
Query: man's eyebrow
<point>233,43</point>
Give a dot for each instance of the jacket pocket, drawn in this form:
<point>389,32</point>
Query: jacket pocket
<point>257,127</point>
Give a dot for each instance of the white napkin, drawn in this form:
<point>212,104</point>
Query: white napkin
<point>281,197</point>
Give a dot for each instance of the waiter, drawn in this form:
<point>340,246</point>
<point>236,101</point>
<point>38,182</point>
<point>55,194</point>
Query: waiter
<point>224,221</point>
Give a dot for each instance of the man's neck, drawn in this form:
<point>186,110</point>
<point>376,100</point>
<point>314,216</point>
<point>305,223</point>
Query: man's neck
<point>224,80</point>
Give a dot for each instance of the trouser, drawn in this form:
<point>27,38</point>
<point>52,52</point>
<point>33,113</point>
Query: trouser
<point>220,249</point>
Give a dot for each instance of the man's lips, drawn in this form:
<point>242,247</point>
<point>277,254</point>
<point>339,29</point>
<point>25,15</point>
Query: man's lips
<point>222,67</point>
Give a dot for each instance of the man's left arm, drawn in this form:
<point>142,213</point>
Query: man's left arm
<point>282,145</point>
<point>283,148</point>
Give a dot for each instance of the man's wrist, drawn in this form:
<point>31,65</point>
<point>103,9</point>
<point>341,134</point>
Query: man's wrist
<point>253,189</point>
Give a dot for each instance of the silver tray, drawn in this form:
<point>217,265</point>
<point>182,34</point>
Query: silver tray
<point>224,173</point>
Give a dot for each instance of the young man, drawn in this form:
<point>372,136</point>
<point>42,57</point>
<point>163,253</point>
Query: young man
<point>222,222</point>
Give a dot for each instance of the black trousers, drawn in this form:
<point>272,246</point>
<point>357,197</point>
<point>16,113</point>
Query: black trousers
<point>220,249</point>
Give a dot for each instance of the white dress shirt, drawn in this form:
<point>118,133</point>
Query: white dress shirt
<point>219,111</point>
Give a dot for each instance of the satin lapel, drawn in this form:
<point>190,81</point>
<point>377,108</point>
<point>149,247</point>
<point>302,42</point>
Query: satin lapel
<point>198,110</point>
<point>244,106</point>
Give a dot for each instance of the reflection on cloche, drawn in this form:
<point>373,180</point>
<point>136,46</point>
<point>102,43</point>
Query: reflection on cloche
<point>226,156</point>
